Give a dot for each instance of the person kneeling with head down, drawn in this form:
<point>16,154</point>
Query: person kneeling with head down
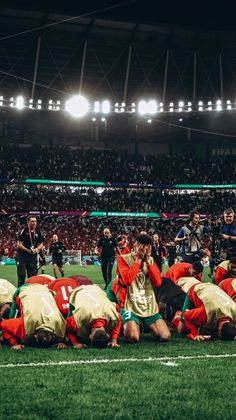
<point>7,291</point>
<point>92,318</point>
<point>40,322</point>
<point>206,305</point>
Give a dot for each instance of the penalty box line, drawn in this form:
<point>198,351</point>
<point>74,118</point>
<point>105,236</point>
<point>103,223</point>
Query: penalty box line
<point>122,360</point>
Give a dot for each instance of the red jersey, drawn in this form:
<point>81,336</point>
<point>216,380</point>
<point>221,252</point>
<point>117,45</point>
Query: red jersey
<point>229,287</point>
<point>72,329</point>
<point>62,289</point>
<point>222,272</point>
<point>196,317</point>
<point>13,330</point>
<point>178,270</point>
<point>81,280</point>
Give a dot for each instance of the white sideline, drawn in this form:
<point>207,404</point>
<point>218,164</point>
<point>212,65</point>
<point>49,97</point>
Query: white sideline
<point>124,360</point>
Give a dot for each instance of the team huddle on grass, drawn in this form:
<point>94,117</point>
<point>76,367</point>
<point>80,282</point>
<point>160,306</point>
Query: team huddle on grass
<point>74,311</point>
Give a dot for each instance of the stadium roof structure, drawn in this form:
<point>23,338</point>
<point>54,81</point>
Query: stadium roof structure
<point>120,51</point>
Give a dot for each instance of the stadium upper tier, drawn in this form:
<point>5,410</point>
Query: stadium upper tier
<point>27,199</point>
<point>58,162</point>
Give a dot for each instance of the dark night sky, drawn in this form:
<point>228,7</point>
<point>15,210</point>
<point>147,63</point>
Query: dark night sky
<point>199,14</point>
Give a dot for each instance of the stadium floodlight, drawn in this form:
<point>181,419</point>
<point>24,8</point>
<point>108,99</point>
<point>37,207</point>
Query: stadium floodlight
<point>116,107</point>
<point>20,102</point>
<point>218,105</point>
<point>122,109</point>
<point>77,106</point>
<point>1,100</point>
<point>180,106</point>
<point>209,105</point>
<point>96,107</point>
<point>189,106</point>
<point>200,106</point>
<point>147,107</point>
<point>103,119</point>
<point>228,104</point>
<point>161,109</point>
<point>171,107</point>
<point>39,104</point>
<point>106,107</point>
<point>149,121</point>
<point>142,107</point>
<point>152,107</point>
<point>133,107</point>
<point>58,106</point>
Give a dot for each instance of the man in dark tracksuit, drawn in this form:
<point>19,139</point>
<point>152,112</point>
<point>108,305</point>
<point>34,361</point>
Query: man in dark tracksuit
<point>29,244</point>
<point>106,248</point>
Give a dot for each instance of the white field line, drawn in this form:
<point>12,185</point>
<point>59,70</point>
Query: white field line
<point>110,361</point>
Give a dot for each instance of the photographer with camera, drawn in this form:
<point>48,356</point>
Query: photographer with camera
<point>190,237</point>
<point>228,235</point>
<point>29,243</point>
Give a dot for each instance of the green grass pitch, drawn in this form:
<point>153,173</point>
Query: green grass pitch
<point>177,380</point>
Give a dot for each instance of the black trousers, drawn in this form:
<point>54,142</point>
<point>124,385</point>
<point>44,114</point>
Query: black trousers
<point>170,299</point>
<point>191,258</point>
<point>107,265</point>
<point>26,267</point>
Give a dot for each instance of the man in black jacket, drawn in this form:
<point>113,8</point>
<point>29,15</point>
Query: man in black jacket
<point>29,243</point>
<point>106,248</point>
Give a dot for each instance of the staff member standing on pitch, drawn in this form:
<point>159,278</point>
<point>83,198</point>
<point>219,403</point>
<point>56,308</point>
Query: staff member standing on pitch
<point>106,248</point>
<point>29,243</point>
<point>56,249</point>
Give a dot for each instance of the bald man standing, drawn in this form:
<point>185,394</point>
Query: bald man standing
<point>56,249</point>
<point>106,248</point>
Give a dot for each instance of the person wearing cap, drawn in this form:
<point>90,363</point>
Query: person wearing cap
<point>138,275</point>
<point>7,291</point>
<point>40,322</point>
<point>206,305</point>
<point>225,270</point>
<point>92,318</point>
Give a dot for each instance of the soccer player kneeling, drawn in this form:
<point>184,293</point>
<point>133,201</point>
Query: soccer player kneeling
<point>40,322</point>
<point>206,305</point>
<point>92,318</point>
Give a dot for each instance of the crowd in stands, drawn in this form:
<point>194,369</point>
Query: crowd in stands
<point>60,162</point>
<point>63,163</point>
<point>29,198</point>
<point>79,233</point>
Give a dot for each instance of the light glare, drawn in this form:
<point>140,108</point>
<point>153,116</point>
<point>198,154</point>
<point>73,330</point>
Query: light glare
<point>20,102</point>
<point>77,106</point>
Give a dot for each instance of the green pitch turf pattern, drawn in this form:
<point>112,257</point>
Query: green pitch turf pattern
<point>177,380</point>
